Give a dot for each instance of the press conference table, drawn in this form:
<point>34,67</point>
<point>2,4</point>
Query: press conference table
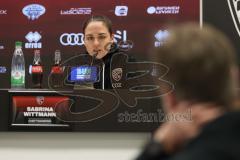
<point>86,110</point>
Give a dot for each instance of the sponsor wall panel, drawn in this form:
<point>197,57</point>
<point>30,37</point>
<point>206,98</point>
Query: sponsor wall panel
<point>51,25</point>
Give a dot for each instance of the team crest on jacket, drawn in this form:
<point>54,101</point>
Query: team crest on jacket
<point>40,100</point>
<point>117,74</point>
<point>234,6</point>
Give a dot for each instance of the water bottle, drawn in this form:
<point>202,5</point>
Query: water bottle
<point>18,67</point>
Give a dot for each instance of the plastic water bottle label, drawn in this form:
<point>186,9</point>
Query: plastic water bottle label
<point>17,78</point>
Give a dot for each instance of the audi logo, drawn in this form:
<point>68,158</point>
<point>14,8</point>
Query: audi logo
<point>72,39</point>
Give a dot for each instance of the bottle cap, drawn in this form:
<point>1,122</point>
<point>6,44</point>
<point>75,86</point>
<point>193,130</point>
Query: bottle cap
<point>57,57</point>
<point>36,51</point>
<point>18,43</point>
<point>36,59</point>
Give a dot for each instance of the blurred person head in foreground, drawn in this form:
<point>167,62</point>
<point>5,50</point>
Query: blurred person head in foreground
<point>204,74</point>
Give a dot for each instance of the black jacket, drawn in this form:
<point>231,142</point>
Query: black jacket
<point>106,61</point>
<point>219,140</point>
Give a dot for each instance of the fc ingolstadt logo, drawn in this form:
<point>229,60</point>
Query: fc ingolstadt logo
<point>40,100</point>
<point>234,6</point>
<point>117,74</point>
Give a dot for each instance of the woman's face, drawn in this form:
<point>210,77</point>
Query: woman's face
<point>97,38</point>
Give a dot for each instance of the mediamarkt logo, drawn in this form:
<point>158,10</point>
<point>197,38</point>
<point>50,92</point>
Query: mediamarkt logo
<point>33,11</point>
<point>234,6</point>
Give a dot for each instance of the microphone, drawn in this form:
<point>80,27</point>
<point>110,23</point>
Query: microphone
<point>94,56</point>
<point>96,52</point>
<point>103,67</point>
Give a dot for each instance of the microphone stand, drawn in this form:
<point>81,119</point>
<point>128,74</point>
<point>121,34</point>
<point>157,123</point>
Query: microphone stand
<point>103,70</point>
<point>103,76</point>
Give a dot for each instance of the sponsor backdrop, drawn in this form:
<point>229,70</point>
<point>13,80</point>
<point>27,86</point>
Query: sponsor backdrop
<point>51,25</point>
<point>225,15</point>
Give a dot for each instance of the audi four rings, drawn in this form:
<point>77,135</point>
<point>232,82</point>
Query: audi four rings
<point>72,39</point>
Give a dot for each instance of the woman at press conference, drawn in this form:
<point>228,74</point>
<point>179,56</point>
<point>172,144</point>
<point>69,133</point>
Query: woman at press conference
<point>99,44</point>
